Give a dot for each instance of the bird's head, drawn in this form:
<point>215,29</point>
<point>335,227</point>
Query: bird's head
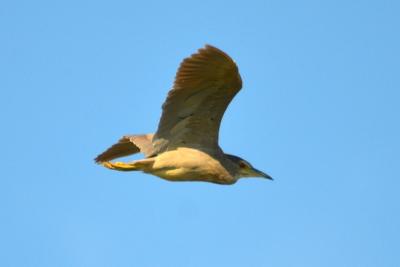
<point>245,169</point>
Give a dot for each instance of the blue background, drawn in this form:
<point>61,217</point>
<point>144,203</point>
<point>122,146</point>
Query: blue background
<point>319,112</point>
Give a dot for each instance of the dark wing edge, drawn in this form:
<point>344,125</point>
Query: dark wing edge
<point>211,65</point>
<point>128,145</point>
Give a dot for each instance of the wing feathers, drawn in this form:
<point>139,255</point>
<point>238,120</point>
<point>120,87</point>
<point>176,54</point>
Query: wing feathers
<point>205,84</point>
<point>128,145</point>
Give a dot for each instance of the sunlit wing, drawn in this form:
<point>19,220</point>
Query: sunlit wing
<point>205,84</point>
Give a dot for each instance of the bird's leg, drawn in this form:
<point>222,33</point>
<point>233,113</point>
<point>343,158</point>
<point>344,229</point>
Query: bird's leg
<point>137,165</point>
<point>121,166</point>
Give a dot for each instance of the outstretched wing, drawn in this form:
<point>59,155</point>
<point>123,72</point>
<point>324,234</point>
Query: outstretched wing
<point>205,84</point>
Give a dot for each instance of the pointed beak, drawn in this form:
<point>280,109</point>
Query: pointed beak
<point>259,173</point>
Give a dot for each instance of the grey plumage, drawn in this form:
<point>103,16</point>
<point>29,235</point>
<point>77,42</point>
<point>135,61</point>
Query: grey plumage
<point>128,145</point>
<point>185,146</point>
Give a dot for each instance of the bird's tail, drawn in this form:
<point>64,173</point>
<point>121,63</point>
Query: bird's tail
<point>128,145</point>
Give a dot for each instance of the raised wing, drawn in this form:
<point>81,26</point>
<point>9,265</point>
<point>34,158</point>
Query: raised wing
<point>205,84</point>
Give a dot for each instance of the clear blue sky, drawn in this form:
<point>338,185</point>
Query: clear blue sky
<point>319,111</point>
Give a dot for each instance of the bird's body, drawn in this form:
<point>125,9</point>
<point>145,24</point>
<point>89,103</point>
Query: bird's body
<point>185,146</point>
<point>182,164</point>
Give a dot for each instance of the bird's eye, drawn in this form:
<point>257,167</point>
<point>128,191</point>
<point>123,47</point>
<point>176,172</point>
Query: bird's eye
<point>242,165</point>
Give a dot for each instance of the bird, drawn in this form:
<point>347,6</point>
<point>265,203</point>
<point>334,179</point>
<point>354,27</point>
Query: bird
<point>185,146</point>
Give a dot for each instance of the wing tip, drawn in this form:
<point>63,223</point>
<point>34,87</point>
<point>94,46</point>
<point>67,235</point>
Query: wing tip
<point>212,48</point>
<point>203,57</point>
<point>98,159</point>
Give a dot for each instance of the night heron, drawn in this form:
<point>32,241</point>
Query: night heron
<point>185,146</point>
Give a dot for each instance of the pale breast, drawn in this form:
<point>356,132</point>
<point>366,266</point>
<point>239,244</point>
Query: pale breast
<point>187,164</point>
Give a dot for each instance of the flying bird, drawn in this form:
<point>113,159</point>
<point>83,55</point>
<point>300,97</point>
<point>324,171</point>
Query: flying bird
<point>185,146</point>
